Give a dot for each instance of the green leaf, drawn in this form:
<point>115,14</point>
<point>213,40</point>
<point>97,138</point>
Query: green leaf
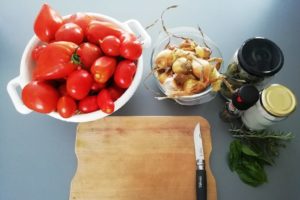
<point>234,154</point>
<point>252,173</point>
<point>246,178</point>
<point>246,150</point>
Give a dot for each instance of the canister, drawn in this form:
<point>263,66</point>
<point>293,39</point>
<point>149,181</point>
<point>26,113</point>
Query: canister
<point>276,103</point>
<point>242,99</point>
<point>255,62</point>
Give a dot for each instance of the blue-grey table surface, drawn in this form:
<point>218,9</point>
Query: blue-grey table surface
<point>37,159</point>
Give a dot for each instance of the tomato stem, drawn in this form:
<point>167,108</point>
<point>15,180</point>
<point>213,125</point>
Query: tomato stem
<point>76,59</point>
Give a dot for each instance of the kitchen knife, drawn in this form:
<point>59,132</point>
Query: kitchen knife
<point>201,184</point>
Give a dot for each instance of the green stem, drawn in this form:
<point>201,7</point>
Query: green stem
<point>287,136</point>
<point>75,59</point>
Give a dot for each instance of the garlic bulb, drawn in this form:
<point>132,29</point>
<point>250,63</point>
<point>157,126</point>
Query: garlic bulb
<point>163,77</point>
<point>181,66</point>
<point>164,59</point>
<point>202,52</point>
<point>198,66</point>
<point>169,86</point>
<point>189,85</point>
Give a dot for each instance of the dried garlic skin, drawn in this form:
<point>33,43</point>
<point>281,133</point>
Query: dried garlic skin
<point>215,62</point>
<point>188,45</point>
<point>216,86</point>
<point>215,79</point>
<point>182,53</point>
<point>164,59</point>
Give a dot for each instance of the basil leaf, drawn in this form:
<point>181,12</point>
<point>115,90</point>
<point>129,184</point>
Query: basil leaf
<point>246,150</point>
<point>252,172</point>
<point>234,154</point>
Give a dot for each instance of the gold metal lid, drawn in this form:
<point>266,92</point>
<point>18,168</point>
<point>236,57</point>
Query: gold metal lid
<point>278,100</point>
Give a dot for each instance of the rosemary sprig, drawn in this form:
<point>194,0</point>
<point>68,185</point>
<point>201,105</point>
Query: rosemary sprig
<point>263,134</point>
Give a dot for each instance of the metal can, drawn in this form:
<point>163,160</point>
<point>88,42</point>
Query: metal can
<point>276,103</point>
<point>255,62</point>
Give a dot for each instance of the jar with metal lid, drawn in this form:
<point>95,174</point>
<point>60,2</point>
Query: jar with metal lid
<point>276,103</point>
<point>255,62</point>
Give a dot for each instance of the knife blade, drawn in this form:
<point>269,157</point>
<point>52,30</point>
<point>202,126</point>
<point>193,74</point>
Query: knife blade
<point>201,184</point>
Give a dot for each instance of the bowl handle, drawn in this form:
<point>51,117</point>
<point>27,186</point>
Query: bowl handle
<point>12,91</point>
<point>136,26</point>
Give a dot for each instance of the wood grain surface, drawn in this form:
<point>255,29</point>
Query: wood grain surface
<point>139,158</point>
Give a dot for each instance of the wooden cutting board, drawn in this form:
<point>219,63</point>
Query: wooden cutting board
<point>139,158</point>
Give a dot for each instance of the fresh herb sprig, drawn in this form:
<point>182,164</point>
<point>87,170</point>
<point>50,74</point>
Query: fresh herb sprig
<point>252,150</point>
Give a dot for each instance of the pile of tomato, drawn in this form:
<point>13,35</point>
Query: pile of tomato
<point>82,65</point>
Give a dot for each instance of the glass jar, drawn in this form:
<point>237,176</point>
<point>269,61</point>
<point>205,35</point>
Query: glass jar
<point>242,99</point>
<point>276,103</point>
<point>201,39</point>
<point>255,62</point>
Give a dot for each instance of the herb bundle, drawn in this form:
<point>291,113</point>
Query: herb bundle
<point>252,150</point>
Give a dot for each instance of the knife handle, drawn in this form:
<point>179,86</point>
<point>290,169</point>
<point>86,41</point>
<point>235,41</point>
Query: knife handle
<point>201,184</point>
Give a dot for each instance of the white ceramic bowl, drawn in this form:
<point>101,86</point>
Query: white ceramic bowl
<point>27,66</point>
<point>193,33</point>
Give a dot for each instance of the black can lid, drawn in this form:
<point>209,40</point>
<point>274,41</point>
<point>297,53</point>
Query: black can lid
<point>260,57</point>
<point>245,97</point>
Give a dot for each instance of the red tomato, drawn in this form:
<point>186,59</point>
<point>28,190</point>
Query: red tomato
<point>115,92</point>
<point>69,32</point>
<point>105,102</point>
<point>40,96</point>
<point>66,106</point>
<point>131,49</point>
<point>88,53</point>
<point>37,51</point>
<point>88,104</point>
<point>81,19</point>
<point>97,86</point>
<point>124,73</point>
<point>79,84</point>
<point>47,23</point>
<point>110,45</point>
<point>55,61</point>
<point>103,68</point>
<point>97,30</point>
<point>127,36</point>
